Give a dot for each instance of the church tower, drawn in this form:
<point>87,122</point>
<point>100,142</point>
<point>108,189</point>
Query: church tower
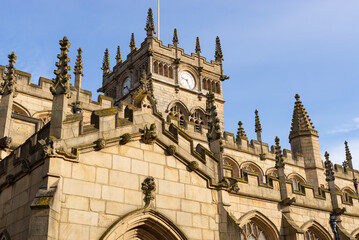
<point>180,81</point>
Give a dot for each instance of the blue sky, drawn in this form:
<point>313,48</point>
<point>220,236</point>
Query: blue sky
<point>272,50</point>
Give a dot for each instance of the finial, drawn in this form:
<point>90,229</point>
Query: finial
<point>297,97</point>
<point>329,173</point>
<point>214,128</point>
<point>241,133</point>
<point>277,141</point>
<point>106,62</point>
<point>198,47</point>
<point>61,84</point>
<point>175,37</point>
<point>8,86</point>
<point>78,64</point>
<point>132,43</point>
<point>348,156</point>
<point>258,126</point>
<point>218,55</point>
<point>118,55</point>
<point>150,26</point>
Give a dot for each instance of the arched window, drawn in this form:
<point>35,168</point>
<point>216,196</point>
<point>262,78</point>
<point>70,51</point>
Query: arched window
<point>204,83</point>
<point>253,168</point>
<point>155,67</point>
<point>160,69</point>
<point>179,111</point>
<point>165,70</point>
<point>199,119</point>
<point>298,183</point>
<point>231,168</point>
<point>347,195</point>
<point>315,231</point>
<point>170,72</point>
<point>256,226</point>
<point>214,87</point>
<point>18,109</point>
<point>218,88</point>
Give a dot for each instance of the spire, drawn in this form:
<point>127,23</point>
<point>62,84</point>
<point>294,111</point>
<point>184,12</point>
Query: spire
<point>175,37</point>
<point>61,84</point>
<point>329,173</point>
<point>301,123</point>
<point>132,43</point>
<point>348,157</point>
<point>214,131</point>
<point>257,125</point>
<point>279,161</point>
<point>198,47</point>
<point>241,134</point>
<point>78,64</point>
<point>218,55</point>
<point>150,26</point>
<point>118,55</point>
<point>8,86</point>
<point>106,62</point>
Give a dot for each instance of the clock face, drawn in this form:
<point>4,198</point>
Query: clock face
<point>187,80</point>
<point>126,86</point>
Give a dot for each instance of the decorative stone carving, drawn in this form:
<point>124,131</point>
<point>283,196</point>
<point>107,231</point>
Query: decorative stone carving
<point>106,63</point>
<point>10,179</point>
<point>279,161</point>
<point>100,144</point>
<point>118,56</point>
<point>329,173</point>
<point>61,84</point>
<point>288,201</point>
<point>193,165</point>
<point>214,129</point>
<point>150,26</point>
<point>171,149</point>
<point>149,134</point>
<point>76,107</point>
<point>125,138</point>
<point>4,235</point>
<point>8,86</point>
<point>218,55</point>
<point>148,188</point>
<point>47,147</point>
<point>5,142</point>
<point>25,165</point>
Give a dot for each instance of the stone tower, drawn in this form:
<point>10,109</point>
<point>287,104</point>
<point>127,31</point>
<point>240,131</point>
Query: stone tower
<point>303,139</point>
<point>180,81</point>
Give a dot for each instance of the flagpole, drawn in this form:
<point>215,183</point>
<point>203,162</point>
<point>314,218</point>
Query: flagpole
<point>158,19</point>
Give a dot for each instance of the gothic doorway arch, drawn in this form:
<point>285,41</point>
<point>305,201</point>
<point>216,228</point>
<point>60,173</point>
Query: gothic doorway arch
<point>143,224</point>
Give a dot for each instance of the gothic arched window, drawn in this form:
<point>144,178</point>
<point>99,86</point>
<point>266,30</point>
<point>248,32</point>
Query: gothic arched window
<point>179,111</point>
<point>199,119</point>
<point>155,67</point>
<point>160,69</point>
<point>170,72</point>
<point>251,231</point>
<point>165,70</point>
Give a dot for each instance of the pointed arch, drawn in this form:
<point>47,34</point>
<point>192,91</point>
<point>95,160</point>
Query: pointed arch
<point>314,230</point>
<point>4,235</point>
<point>146,224</point>
<point>179,110</point>
<point>256,225</point>
<point>19,109</point>
<point>231,167</point>
<point>198,116</point>
<point>297,182</point>
<point>155,67</point>
<point>252,167</point>
<point>44,116</point>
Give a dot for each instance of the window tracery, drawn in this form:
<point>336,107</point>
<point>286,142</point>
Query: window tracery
<point>251,231</point>
<point>211,85</point>
<point>163,69</point>
<point>178,111</point>
<point>199,119</point>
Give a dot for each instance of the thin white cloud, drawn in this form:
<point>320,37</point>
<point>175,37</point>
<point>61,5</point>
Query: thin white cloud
<point>345,128</point>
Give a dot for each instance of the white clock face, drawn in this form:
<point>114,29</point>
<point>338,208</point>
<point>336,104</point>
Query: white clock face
<point>187,80</point>
<point>126,86</point>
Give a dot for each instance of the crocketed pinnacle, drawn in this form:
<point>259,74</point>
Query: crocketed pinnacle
<point>257,125</point>
<point>61,84</point>
<point>301,123</point>
<point>175,37</point>
<point>241,134</point>
<point>214,131</point>
<point>106,62</point>
<point>218,55</point>
<point>329,173</point>
<point>150,26</point>
<point>348,157</point>
<point>198,46</point>
<point>78,64</point>
<point>118,55</point>
<point>132,43</point>
<point>279,161</point>
<point>8,86</point>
